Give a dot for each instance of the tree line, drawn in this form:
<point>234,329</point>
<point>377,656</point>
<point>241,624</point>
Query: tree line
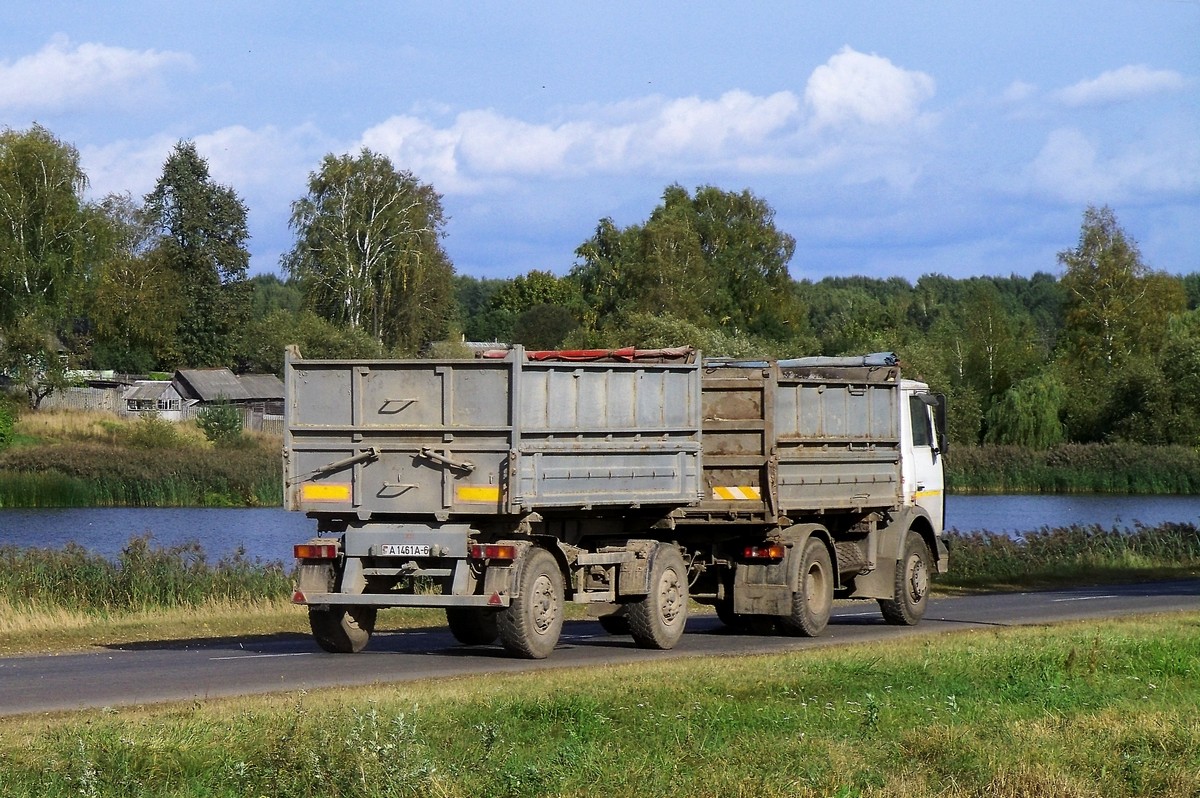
<point>1100,347</point>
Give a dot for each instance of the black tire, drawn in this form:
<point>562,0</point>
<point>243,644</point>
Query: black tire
<point>913,572</point>
<point>342,629</point>
<point>813,600</point>
<point>615,623</point>
<point>657,620</point>
<point>472,626</point>
<point>530,626</point>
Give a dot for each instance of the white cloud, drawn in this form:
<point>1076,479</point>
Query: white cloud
<point>853,88</point>
<point>482,149</point>
<point>1072,167</point>
<point>268,167</point>
<point>1019,91</point>
<point>1119,85</point>
<point>125,166</point>
<point>479,148</point>
<point>62,75</point>
<point>735,120</point>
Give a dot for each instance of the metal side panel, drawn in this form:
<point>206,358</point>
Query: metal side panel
<point>827,476</point>
<point>445,437</point>
<point>837,411</point>
<point>591,476</point>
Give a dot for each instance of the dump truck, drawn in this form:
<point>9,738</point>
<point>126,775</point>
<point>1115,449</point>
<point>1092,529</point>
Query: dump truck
<point>634,481</point>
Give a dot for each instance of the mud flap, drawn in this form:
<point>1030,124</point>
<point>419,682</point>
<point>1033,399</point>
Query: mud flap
<point>762,588</point>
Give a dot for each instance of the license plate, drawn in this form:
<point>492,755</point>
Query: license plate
<point>404,550</point>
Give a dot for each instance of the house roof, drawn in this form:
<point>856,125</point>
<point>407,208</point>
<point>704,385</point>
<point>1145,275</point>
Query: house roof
<point>146,390</point>
<point>261,386</point>
<point>215,385</point>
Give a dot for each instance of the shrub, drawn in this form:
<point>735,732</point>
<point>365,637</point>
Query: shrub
<point>221,423</point>
<point>153,432</point>
<point>7,425</point>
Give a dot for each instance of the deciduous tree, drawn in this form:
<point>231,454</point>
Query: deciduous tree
<point>202,235</point>
<point>368,251</point>
<point>1116,307</point>
<point>714,259</point>
<point>43,224</point>
<point>135,306</point>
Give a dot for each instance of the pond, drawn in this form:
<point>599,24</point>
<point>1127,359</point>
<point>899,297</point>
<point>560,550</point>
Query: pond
<point>269,533</point>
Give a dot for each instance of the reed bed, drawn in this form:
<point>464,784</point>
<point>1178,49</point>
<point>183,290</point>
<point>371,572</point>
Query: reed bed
<point>1072,554</point>
<point>90,474</point>
<point>1122,468</point>
<point>142,577</point>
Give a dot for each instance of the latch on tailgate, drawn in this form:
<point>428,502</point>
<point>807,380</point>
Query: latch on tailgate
<point>464,465</point>
<point>365,456</point>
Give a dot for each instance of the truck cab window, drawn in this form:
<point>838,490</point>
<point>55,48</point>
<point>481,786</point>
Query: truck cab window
<point>922,430</point>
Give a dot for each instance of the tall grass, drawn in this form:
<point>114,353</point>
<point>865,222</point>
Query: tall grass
<point>82,459</point>
<point>89,474</point>
<point>1074,468</point>
<point>1096,709</point>
<point>1072,554</point>
<point>142,577</point>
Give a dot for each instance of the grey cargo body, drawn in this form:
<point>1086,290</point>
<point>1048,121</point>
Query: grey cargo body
<point>634,481</point>
<point>434,440</point>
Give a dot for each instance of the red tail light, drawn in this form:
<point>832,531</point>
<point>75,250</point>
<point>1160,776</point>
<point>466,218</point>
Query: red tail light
<point>316,551</point>
<point>493,551</point>
<point>765,551</point>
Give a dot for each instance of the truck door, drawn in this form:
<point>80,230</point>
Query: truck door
<point>923,446</point>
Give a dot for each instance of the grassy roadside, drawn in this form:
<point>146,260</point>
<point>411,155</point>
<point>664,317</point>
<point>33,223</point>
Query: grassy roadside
<point>63,599</point>
<point>1101,708</point>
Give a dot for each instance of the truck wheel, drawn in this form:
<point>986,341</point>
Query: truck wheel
<point>658,619</point>
<point>615,623</point>
<point>912,584</point>
<point>530,626</point>
<point>813,600</point>
<point>472,626</point>
<point>342,629</point>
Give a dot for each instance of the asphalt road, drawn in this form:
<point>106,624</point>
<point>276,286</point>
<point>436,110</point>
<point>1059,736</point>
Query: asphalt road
<point>145,673</point>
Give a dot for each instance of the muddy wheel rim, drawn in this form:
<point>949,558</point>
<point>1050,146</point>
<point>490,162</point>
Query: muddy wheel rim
<point>545,607</point>
<point>918,578</point>
<point>670,596</point>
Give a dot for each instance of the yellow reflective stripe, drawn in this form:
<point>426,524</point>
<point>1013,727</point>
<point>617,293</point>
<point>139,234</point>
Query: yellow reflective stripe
<point>325,492</point>
<point>736,493</point>
<point>925,494</point>
<point>477,493</point>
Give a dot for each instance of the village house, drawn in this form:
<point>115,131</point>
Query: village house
<point>259,395</point>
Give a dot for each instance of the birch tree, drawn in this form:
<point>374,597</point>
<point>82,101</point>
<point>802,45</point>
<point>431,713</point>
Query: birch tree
<point>1117,307</point>
<point>368,251</point>
<point>43,224</point>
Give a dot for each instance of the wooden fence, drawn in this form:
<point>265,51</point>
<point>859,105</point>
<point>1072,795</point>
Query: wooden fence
<point>108,400</point>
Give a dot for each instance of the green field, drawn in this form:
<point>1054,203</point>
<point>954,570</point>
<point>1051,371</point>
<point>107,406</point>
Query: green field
<point>1089,709</point>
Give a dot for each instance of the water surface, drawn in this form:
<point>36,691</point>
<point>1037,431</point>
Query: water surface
<point>269,533</point>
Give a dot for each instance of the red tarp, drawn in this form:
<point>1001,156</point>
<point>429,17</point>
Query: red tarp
<point>627,354</point>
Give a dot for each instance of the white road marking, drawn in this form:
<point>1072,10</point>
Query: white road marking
<point>1082,598</point>
<point>261,656</point>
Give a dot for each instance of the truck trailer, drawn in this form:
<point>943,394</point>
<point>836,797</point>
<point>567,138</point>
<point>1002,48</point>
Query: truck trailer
<point>503,486</point>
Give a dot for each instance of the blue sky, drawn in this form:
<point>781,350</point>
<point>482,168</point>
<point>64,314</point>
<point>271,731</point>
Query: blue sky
<point>892,139</point>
